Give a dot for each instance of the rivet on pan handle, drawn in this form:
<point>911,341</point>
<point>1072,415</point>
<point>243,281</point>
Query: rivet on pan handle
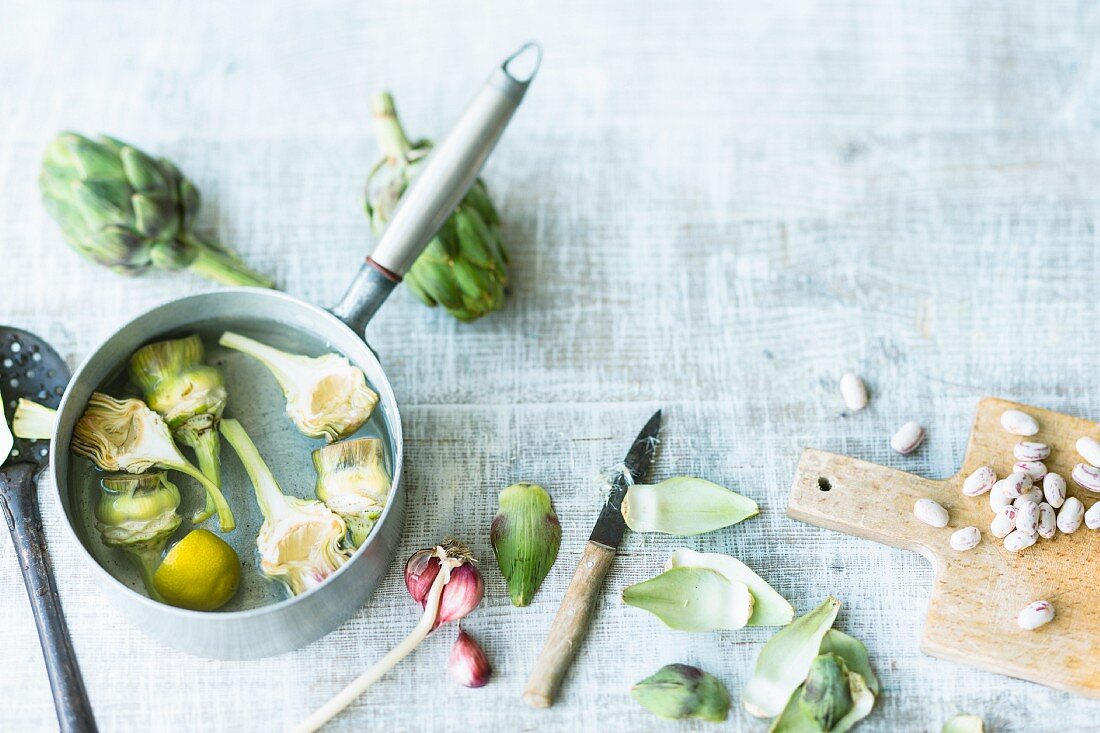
<point>449,171</point>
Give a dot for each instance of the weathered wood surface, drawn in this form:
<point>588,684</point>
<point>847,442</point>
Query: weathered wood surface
<point>714,207</point>
<point>977,594</point>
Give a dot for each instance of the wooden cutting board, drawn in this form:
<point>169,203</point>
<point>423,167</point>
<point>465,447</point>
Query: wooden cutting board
<point>977,595</point>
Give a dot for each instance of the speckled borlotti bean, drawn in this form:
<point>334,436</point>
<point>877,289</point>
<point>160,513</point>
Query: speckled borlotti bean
<point>1034,494</point>
<point>1070,515</point>
<point>1017,540</point>
<point>998,498</point>
<point>1028,451</point>
<point>1054,489</point>
<point>853,391</point>
<point>1089,448</point>
<point>1048,522</point>
<point>1019,423</point>
<point>1087,477</point>
<point>979,482</point>
<point>1004,522</point>
<point>1027,517</point>
<point>1035,469</point>
<point>930,512</point>
<point>965,539</point>
<point>1015,485</point>
<point>1035,614</point>
<point>907,438</point>
<point>1092,516</point>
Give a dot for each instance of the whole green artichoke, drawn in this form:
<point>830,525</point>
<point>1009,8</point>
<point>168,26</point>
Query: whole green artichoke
<point>121,208</point>
<point>463,267</point>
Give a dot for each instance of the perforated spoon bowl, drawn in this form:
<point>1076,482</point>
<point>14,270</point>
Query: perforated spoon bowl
<point>29,368</point>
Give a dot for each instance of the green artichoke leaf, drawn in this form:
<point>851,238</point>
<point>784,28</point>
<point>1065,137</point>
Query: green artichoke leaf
<point>90,159</point>
<point>144,173</point>
<point>478,197</point>
<point>769,608</point>
<point>854,654</point>
<point>825,697</point>
<point>964,724</point>
<point>472,233</point>
<point>119,248</point>
<point>412,282</point>
<point>103,202</point>
<point>155,216</point>
<point>794,719</point>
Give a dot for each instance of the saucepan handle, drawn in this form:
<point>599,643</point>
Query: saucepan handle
<point>19,501</point>
<point>448,173</point>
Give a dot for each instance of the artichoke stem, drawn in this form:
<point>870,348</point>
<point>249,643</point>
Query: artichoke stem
<point>147,560</point>
<point>387,127</point>
<point>222,268</point>
<point>226,522</point>
<point>207,447</point>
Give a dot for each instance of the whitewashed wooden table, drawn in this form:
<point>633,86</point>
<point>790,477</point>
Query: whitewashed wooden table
<point>713,207</point>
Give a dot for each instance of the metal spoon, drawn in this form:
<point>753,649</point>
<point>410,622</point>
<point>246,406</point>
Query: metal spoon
<point>30,368</point>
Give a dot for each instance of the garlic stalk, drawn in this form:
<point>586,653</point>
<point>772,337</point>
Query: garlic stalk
<point>125,435</point>
<point>33,421</point>
<point>785,661</point>
<point>352,481</point>
<point>326,397</point>
<point>468,664</point>
<point>680,691</point>
<point>451,556</point>
<point>191,397</point>
<point>137,514</point>
<point>693,599</point>
<point>769,608</point>
<point>526,535</point>
<point>684,506</point>
<point>299,541</point>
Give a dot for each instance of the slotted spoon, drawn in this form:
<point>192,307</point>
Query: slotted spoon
<point>30,368</point>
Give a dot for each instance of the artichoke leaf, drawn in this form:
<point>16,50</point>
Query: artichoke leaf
<point>794,720</point>
<point>693,599</point>
<point>854,654</point>
<point>684,506</point>
<point>769,608</point>
<point>964,724</point>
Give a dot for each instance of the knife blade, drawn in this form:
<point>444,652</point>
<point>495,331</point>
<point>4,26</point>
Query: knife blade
<point>611,525</point>
<point>571,622</point>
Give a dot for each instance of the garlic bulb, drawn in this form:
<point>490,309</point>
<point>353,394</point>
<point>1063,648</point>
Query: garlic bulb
<point>352,481</point>
<point>299,541</point>
<point>326,397</point>
<point>125,435</point>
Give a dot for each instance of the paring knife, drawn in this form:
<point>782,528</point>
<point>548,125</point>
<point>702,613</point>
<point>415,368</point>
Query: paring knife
<point>570,625</point>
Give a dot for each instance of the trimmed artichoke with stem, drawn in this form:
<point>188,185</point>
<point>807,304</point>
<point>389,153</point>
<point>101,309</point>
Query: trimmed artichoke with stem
<point>125,435</point>
<point>137,514</point>
<point>299,541</point>
<point>326,396</point>
<point>463,268</point>
<point>189,395</point>
<point>352,481</point>
<point>124,209</point>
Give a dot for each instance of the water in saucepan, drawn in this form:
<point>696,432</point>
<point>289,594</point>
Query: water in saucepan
<point>256,400</point>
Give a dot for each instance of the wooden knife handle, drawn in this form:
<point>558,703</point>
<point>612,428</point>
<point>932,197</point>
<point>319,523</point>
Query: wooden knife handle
<point>569,627</point>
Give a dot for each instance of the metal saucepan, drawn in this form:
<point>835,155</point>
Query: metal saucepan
<point>282,625</point>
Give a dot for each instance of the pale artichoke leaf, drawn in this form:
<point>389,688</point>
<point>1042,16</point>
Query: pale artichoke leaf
<point>769,608</point>
<point>684,506</point>
<point>785,660</point>
<point>854,654</point>
<point>964,724</point>
<point>693,599</point>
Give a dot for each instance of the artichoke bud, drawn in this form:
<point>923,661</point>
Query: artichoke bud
<point>353,482</point>
<point>684,506</point>
<point>170,255</point>
<point>680,691</point>
<point>139,510</point>
<point>826,696</point>
<point>326,397</point>
<point>469,281</point>
<point>525,535</point>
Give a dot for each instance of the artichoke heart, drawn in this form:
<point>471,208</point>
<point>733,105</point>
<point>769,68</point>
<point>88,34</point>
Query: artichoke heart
<point>300,539</point>
<point>526,535</point>
<point>137,514</point>
<point>463,268</point>
<point>121,208</point>
<point>125,435</point>
<point>326,396</point>
<point>191,397</point>
<point>352,481</point>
